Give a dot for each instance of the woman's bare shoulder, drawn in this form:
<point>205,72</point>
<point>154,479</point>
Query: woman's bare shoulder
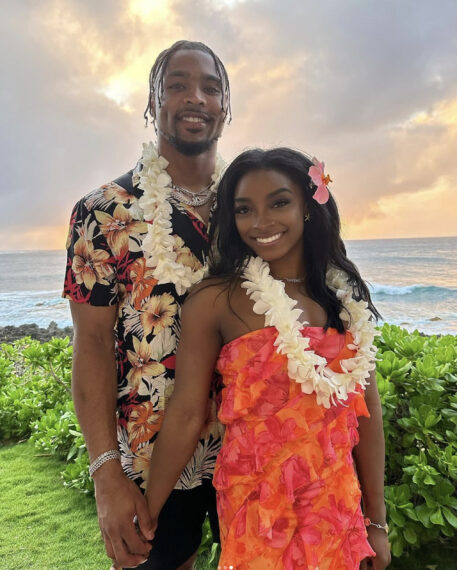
<point>209,288</point>
<point>211,293</point>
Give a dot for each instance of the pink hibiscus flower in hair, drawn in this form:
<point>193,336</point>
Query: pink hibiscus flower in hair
<point>321,180</point>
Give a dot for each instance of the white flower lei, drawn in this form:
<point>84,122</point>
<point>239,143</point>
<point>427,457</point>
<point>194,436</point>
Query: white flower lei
<point>158,245</point>
<point>305,366</point>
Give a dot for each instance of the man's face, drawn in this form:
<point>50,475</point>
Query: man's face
<point>190,116</point>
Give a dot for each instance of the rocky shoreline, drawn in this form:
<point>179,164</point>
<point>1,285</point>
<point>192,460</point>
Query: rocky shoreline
<point>11,333</point>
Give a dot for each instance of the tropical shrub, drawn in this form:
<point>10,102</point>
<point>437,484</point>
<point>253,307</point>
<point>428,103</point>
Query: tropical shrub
<point>35,401</point>
<point>208,548</point>
<point>57,432</point>
<point>34,377</point>
<point>76,474</point>
<point>417,381</point>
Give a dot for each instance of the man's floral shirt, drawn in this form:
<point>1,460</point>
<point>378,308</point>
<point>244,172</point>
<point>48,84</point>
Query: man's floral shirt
<point>106,266</point>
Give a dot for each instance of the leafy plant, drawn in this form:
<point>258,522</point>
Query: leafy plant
<point>33,378</point>
<point>58,432</point>
<point>417,382</point>
<point>211,549</point>
<point>76,474</point>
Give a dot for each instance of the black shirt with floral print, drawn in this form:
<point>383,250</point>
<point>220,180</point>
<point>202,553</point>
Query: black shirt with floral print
<point>106,266</point>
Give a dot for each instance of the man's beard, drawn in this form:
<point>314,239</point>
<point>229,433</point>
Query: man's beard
<point>189,148</point>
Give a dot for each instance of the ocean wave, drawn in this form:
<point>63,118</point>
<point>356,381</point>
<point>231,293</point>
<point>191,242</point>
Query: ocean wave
<point>380,290</point>
<point>30,294</point>
<point>426,326</point>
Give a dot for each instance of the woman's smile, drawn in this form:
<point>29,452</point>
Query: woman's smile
<point>269,240</point>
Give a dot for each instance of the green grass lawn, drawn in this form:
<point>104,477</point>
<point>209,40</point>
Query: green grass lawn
<point>44,525</point>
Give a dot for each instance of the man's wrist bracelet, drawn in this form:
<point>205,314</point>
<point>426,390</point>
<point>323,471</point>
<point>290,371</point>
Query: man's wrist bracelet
<point>384,527</point>
<point>103,458</point>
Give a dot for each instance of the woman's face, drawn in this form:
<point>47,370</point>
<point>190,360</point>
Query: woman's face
<point>269,214</point>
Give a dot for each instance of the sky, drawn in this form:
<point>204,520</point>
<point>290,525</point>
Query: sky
<point>368,87</point>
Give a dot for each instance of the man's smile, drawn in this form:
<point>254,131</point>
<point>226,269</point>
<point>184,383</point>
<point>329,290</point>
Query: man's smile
<point>193,119</point>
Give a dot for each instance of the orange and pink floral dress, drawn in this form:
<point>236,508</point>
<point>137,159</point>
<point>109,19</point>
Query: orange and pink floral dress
<point>288,495</point>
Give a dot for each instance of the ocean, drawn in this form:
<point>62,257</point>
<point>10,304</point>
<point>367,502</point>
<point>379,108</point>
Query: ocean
<point>413,283</point>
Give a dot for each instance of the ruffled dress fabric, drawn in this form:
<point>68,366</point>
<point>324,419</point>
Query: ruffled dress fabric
<point>288,494</point>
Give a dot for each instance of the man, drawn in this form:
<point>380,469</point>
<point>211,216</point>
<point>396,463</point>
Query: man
<point>135,246</point>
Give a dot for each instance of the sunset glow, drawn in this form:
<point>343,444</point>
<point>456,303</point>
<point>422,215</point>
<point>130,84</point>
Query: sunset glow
<point>370,99</point>
<point>148,11</point>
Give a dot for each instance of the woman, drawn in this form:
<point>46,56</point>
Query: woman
<point>288,322</point>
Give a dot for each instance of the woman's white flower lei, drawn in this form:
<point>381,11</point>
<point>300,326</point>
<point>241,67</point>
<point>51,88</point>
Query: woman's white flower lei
<point>159,244</point>
<point>305,366</point>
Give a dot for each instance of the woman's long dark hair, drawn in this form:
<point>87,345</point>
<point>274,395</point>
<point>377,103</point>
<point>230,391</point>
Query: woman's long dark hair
<point>323,244</point>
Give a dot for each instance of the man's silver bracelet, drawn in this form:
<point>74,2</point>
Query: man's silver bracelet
<point>103,458</point>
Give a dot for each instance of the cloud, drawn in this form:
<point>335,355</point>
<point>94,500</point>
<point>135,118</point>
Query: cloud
<point>62,136</point>
<point>371,88</point>
<point>427,209</point>
<point>341,80</point>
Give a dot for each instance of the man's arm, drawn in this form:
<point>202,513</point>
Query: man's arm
<point>370,461</point>
<point>94,387</point>
<point>94,383</point>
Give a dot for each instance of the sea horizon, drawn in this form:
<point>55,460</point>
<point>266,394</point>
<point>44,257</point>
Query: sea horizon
<point>2,251</point>
<point>412,281</point>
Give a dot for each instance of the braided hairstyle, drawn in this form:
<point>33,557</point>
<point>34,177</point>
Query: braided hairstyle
<point>157,73</point>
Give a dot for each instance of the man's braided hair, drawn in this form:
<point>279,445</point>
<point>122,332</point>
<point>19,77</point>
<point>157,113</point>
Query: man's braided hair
<point>157,73</point>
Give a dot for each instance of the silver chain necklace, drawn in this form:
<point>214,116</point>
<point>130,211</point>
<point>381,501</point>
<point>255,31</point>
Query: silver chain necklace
<point>194,199</point>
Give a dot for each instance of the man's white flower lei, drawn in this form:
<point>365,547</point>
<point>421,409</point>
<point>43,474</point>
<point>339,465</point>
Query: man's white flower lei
<point>159,244</point>
<point>305,366</point>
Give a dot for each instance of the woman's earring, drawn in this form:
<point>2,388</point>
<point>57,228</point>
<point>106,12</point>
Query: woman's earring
<point>307,217</point>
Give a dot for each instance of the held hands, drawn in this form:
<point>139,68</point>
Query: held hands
<point>123,517</point>
<point>380,544</point>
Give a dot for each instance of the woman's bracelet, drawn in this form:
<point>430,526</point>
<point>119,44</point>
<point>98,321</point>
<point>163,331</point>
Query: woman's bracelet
<point>384,527</point>
<point>103,458</point>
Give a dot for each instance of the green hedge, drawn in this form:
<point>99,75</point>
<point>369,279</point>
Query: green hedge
<point>34,378</point>
<point>35,403</point>
<point>417,380</point>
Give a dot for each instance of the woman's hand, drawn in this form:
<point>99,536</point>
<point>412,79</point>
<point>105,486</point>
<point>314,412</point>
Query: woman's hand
<point>380,544</point>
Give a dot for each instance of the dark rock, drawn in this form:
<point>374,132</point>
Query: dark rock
<point>11,333</point>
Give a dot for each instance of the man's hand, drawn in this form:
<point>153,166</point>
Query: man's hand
<point>380,544</point>
<point>123,516</point>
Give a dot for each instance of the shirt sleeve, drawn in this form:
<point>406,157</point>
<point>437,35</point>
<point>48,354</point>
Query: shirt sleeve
<point>90,275</point>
